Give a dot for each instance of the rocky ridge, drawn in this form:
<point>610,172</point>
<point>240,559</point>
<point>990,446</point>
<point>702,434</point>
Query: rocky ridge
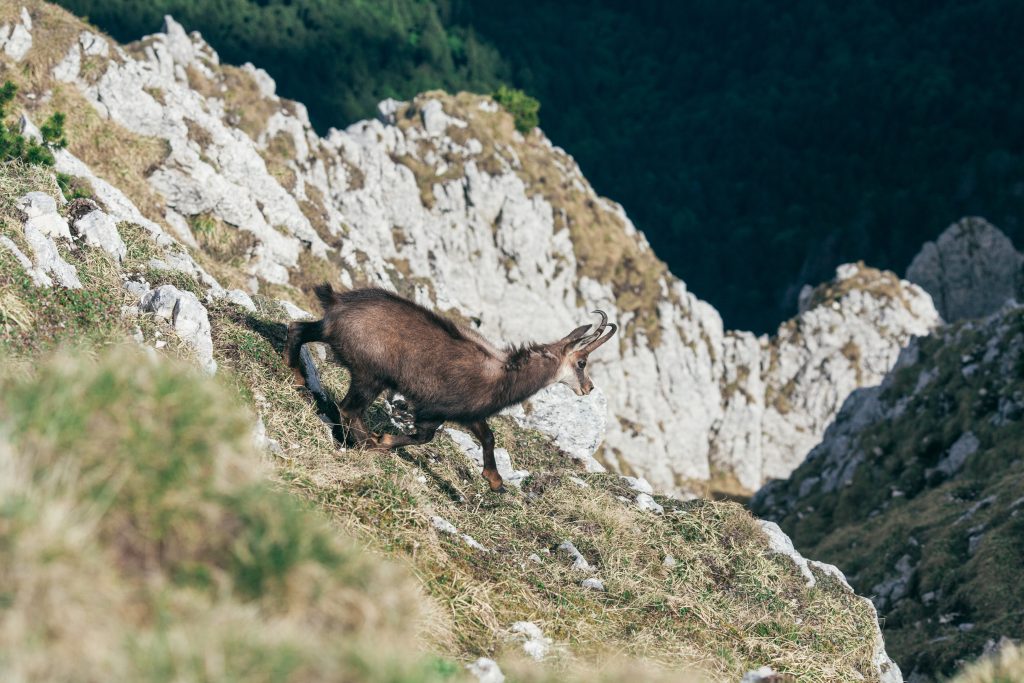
<point>916,492</point>
<point>970,270</point>
<point>915,487</point>
<point>441,199</point>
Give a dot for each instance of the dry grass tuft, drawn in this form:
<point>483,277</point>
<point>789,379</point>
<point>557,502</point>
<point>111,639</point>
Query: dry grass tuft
<point>1004,666</point>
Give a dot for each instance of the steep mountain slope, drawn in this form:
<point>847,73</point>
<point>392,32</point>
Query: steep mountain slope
<point>575,568</point>
<point>156,549</point>
<point>916,490</point>
<point>443,200</point>
<point>132,500</point>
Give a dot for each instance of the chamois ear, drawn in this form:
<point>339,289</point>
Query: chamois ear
<point>575,335</point>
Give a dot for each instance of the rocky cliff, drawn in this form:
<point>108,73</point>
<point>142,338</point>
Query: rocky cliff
<point>441,199</point>
<point>916,487</point>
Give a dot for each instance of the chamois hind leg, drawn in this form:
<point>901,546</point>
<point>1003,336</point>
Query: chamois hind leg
<point>425,431</point>
<point>485,436</point>
<point>300,333</point>
<point>359,397</point>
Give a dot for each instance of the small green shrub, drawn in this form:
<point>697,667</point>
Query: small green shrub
<point>13,144</point>
<point>524,109</point>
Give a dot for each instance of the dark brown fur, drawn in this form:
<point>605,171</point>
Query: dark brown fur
<point>445,372</point>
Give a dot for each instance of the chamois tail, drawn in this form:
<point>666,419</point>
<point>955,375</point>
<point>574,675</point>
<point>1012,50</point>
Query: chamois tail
<point>300,333</point>
<point>325,293</point>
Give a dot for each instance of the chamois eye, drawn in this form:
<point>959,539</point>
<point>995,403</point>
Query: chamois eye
<point>581,363</point>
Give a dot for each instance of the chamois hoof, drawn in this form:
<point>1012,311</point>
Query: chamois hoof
<point>500,488</point>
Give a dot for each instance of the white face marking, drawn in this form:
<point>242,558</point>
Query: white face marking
<point>569,376</point>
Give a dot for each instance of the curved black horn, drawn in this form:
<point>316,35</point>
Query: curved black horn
<point>601,340</point>
<point>595,331</point>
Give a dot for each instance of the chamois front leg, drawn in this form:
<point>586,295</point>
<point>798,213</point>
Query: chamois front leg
<point>485,436</point>
<point>355,403</point>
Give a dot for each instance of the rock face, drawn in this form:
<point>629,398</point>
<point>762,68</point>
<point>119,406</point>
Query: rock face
<point>916,491</point>
<point>441,199</point>
<point>777,407</point>
<point>16,40</point>
<point>970,270</point>
<point>187,315</point>
<point>577,424</point>
<point>97,229</point>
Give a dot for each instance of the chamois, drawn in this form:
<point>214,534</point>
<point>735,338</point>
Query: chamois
<point>445,372</point>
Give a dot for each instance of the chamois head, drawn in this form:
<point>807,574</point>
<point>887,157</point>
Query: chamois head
<point>575,348</point>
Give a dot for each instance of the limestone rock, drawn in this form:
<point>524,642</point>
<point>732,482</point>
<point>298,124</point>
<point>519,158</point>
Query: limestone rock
<point>93,44</point>
<point>470,447</point>
<point>40,211</point>
<point>98,229</point>
<point>576,423</point>
<point>644,501</point>
<point>46,258</point>
<point>240,298</point>
<point>486,670</point>
<point>780,394</point>
<point>763,674</point>
<point>535,643</point>
<point>39,278</point>
<point>188,317</point>
<point>17,40</point>
<point>68,68</point>
<point>970,270</point>
<point>579,563</point>
<point>446,527</point>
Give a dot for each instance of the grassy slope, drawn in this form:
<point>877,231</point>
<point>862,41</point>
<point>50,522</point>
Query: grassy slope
<point>202,570</point>
<point>865,528</point>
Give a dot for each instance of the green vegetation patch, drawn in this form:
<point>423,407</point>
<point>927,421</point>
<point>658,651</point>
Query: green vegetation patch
<point>34,318</point>
<point>142,542</point>
<point>524,109</point>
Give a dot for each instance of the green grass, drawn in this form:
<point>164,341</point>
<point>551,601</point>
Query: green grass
<point>34,319</point>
